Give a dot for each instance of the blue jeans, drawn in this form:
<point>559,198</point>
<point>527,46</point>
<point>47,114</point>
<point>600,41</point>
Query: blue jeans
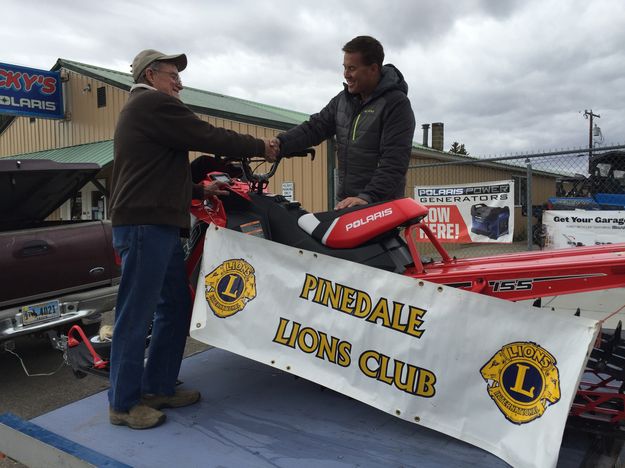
<point>153,290</point>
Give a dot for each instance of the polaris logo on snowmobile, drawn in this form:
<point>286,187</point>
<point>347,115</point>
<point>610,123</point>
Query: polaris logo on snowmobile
<point>372,217</point>
<point>523,381</point>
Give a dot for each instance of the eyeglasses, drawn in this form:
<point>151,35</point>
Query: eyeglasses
<point>173,75</point>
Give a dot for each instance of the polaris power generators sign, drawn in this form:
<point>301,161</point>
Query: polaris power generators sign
<point>30,93</point>
<point>482,212</point>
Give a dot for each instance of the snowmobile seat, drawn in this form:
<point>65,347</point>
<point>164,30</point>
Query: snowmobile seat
<point>351,227</point>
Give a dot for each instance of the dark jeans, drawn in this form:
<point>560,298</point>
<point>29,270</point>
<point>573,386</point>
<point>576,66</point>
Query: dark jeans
<point>153,289</point>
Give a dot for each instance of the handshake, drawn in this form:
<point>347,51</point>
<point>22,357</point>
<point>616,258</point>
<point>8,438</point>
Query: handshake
<point>272,149</point>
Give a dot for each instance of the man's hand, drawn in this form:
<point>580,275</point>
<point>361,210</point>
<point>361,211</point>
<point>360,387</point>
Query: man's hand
<point>214,188</point>
<point>349,202</point>
<point>272,149</point>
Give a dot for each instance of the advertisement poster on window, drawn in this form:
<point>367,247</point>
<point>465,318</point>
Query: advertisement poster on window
<point>578,228</point>
<point>469,213</point>
<point>30,93</point>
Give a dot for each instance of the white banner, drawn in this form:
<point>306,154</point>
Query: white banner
<point>578,228</point>
<point>493,373</point>
<point>482,212</point>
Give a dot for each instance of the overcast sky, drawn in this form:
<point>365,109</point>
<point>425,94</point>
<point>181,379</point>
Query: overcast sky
<point>504,76</point>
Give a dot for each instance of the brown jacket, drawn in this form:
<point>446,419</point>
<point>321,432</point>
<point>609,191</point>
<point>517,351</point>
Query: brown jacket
<point>151,182</point>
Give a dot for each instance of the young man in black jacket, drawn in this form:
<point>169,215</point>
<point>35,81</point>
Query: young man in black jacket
<point>373,123</point>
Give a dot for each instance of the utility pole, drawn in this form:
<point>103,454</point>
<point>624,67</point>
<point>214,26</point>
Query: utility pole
<point>590,115</point>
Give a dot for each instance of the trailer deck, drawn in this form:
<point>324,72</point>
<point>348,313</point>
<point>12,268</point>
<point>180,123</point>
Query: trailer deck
<point>250,415</point>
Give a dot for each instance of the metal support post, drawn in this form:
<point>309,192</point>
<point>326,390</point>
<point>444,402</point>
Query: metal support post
<point>528,201</point>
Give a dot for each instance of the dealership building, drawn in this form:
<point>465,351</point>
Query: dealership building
<point>89,102</point>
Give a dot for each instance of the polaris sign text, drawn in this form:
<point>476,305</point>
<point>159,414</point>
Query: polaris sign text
<point>30,93</point>
<point>480,212</point>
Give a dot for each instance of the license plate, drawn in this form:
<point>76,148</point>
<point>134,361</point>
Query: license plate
<point>35,313</point>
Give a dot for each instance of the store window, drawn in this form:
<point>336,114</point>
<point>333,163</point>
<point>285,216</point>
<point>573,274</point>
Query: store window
<point>76,207</point>
<point>97,205</point>
<point>88,203</point>
<point>101,96</point>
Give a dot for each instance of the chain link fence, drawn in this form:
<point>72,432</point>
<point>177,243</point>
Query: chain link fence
<point>571,179</point>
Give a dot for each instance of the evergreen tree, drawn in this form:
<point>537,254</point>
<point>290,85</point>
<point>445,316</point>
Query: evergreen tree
<point>458,148</point>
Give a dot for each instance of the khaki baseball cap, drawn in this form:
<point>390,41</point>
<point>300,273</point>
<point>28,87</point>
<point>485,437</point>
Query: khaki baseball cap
<point>146,57</point>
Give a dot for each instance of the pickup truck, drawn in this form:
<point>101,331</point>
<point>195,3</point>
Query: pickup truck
<point>53,273</point>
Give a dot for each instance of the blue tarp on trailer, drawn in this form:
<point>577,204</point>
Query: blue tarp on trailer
<point>254,415</point>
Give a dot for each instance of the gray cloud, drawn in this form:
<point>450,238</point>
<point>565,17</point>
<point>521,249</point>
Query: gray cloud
<point>503,76</point>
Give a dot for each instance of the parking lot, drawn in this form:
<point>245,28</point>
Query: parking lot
<point>51,383</point>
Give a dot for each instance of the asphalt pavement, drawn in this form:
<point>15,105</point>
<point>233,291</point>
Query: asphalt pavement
<point>34,380</point>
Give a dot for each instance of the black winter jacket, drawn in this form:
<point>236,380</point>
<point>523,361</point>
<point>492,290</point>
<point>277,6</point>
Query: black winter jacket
<point>374,138</point>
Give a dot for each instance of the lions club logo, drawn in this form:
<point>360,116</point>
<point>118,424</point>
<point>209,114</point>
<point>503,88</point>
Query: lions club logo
<point>523,381</point>
<point>229,287</point>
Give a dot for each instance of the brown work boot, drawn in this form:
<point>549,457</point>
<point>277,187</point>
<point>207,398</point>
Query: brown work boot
<point>177,400</point>
<point>139,416</point>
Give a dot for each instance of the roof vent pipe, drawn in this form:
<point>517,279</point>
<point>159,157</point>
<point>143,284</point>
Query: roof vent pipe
<point>426,129</point>
<point>437,136</point>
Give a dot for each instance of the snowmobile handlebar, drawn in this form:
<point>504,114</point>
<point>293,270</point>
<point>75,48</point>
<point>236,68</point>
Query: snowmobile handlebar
<point>258,182</point>
<point>301,154</point>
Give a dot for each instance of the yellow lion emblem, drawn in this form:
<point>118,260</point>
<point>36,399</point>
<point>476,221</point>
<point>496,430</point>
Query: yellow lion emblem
<point>523,381</point>
<point>229,287</point>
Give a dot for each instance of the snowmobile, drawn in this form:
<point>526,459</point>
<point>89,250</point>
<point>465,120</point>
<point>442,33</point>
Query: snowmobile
<point>383,235</point>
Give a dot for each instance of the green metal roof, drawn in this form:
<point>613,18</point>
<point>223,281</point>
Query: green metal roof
<point>100,153</point>
<point>205,102</point>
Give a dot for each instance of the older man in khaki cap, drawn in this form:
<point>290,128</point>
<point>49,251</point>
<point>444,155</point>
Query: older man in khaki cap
<point>149,63</point>
<point>150,197</point>
<point>148,56</point>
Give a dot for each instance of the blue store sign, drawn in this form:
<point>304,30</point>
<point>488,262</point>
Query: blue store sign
<point>29,92</point>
